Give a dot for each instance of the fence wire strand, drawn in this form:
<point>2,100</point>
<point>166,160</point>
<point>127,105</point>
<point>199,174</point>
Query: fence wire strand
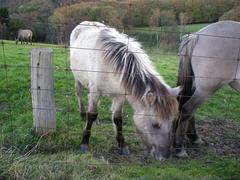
<point>68,93</point>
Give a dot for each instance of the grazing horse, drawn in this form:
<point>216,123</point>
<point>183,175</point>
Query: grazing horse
<point>24,35</point>
<point>112,64</point>
<point>209,59</point>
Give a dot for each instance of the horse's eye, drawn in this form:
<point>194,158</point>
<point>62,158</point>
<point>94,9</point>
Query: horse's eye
<point>156,125</point>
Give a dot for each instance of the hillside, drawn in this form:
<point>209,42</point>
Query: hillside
<point>53,20</point>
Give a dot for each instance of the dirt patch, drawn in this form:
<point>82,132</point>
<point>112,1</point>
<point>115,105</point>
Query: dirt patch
<point>220,137</point>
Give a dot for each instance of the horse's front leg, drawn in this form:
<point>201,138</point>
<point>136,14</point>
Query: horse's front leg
<point>91,117</point>
<point>117,119</point>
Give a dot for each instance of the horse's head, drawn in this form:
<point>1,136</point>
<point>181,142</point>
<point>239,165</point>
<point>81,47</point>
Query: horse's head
<point>155,127</point>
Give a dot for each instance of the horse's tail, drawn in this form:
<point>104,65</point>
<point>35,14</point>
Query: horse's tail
<point>185,73</point>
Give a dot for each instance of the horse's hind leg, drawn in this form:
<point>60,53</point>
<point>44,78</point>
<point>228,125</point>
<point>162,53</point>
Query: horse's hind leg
<point>117,119</point>
<point>192,133</point>
<point>187,114</point>
<point>91,117</point>
<point>79,92</point>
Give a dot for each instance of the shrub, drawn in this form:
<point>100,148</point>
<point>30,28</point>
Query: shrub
<point>233,14</point>
<point>167,18</point>
<point>155,18</point>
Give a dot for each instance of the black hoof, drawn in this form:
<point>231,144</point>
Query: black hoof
<point>124,151</point>
<point>191,138</point>
<point>84,148</point>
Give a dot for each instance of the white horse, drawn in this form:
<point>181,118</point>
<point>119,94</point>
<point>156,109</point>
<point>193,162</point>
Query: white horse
<point>111,64</point>
<point>24,35</point>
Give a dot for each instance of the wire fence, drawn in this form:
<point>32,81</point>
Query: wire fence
<point>217,122</point>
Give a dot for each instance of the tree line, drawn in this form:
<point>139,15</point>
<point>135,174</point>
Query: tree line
<point>53,20</point>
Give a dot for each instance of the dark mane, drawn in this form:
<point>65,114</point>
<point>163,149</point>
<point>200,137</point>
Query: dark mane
<point>137,79</point>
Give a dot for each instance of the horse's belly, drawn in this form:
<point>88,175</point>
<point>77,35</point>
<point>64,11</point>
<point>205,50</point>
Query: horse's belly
<point>111,87</point>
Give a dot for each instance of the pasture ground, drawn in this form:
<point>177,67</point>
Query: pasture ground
<point>27,156</point>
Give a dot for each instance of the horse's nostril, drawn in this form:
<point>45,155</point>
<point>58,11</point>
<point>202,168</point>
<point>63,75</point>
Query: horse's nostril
<point>156,125</point>
<point>161,158</point>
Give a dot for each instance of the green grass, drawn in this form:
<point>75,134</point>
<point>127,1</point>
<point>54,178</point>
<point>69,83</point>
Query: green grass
<point>167,38</point>
<point>57,156</point>
<point>189,28</point>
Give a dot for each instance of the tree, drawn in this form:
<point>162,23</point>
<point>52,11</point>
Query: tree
<point>167,18</point>
<point>14,25</point>
<point>34,15</point>
<point>4,16</point>
<point>155,18</point>
<point>233,14</point>
<point>4,21</point>
<point>65,19</point>
<point>178,7</point>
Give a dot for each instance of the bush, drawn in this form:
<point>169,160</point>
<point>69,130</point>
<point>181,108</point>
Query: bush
<point>167,18</point>
<point>233,14</point>
<point>155,18</point>
<point>65,19</point>
<point>14,25</point>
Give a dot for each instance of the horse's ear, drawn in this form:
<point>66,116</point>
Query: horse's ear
<point>175,91</point>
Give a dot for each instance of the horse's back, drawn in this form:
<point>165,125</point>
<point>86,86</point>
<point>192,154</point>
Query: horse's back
<point>25,33</point>
<point>215,56</point>
<point>86,57</point>
<point>228,29</point>
<point>220,40</point>
<point>84,53</point>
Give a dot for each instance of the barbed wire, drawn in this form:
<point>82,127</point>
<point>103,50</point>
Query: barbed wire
<point>68,69</point>
<point>65,91</point>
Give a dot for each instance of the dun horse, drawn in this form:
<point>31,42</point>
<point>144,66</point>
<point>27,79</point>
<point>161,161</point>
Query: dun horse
<point>24,35</point>
<point>210,59</point>
<point>111,64</point>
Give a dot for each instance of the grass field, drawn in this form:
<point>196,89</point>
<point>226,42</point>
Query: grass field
<point>27,156</point>
<point>167,38</point>
<point>186,28</point>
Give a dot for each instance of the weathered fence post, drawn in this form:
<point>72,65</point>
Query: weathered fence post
<point>42,91</point>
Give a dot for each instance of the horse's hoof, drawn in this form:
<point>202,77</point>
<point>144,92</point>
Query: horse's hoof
<point>124,151</point>
<point>198,142</point>
<point>182,153</point>
<point>98,122</point>
<point>83,148</point>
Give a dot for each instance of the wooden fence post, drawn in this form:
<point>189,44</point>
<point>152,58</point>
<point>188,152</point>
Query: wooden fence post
<point>43,102</point>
